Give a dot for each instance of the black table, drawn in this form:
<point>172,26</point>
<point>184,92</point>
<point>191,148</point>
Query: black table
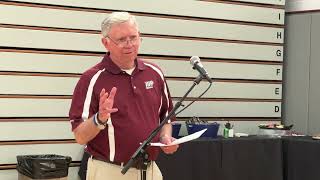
<point>249,158</point>
<point>254,158</point>
<point>198,159</point>
<point>301,157</point>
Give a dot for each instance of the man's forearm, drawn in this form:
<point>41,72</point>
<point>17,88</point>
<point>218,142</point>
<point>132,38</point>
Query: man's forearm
<point>86,131</point>
<point>166,130</point>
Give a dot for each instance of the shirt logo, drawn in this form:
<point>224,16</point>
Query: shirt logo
<point>149,84</point>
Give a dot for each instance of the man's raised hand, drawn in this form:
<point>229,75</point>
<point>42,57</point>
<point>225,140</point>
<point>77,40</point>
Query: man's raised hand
<point>106,104</point>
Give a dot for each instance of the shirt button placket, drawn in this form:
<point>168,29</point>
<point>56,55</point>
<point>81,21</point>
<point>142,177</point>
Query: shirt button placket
<point>132,85</point>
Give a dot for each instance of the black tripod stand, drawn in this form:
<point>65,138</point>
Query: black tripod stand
<point>141,151</point>
<point>143,171</point>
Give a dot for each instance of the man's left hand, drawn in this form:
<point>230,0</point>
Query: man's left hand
<point>168,149</point>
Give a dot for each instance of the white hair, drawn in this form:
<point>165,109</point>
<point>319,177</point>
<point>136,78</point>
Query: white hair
<point>116,18</point>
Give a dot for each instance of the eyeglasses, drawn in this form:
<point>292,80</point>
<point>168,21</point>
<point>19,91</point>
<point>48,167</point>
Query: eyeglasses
<point>125,41</point>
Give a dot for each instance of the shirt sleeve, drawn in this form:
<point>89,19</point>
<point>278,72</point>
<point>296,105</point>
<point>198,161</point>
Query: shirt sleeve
<point>83,103</point>
<point>167,104</point>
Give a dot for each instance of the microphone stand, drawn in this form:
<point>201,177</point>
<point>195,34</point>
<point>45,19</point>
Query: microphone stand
<point>141,151</point>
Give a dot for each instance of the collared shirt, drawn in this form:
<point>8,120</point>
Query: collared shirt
<point>142,99</point>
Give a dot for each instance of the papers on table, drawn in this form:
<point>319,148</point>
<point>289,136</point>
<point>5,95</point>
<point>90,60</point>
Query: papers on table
<point>182,140</point>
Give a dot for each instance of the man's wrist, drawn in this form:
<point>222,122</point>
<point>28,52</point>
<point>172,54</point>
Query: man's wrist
<point>164,136</point>
<point>98,123</point>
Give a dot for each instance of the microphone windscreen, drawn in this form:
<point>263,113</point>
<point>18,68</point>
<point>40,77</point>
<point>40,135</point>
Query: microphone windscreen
<point>194,60</point>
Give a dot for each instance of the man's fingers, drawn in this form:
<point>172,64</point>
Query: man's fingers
<point>165,139</point>
<point>109,110</point>
<point>106,103</point>
<point>112,93</point>
<point>170,149</point>
<point>102,92</point>
<point>113,110</point>
<point>103,95</point>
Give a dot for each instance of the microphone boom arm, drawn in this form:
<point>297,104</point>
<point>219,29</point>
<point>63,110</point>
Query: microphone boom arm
<point>140,152</point>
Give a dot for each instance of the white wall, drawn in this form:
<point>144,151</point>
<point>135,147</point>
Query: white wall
<point>46,45</point>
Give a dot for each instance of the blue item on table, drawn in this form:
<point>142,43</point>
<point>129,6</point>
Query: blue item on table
<point>175,130</point>
<point>212,129</point>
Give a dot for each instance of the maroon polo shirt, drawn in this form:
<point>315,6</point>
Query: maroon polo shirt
<point>142,99</point>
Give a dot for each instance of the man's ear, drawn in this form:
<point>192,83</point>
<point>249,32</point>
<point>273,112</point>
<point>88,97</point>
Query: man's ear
<point>105,42</point>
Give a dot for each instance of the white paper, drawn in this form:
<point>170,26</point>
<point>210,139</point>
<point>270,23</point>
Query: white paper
<point>182,140</point>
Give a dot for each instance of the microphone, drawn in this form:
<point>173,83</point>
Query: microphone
<point>196,64</point>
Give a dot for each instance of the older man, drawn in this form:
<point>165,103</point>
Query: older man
<point>118,102</point>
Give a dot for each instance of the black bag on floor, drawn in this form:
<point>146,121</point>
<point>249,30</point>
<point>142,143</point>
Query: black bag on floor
<point>45,166</point>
